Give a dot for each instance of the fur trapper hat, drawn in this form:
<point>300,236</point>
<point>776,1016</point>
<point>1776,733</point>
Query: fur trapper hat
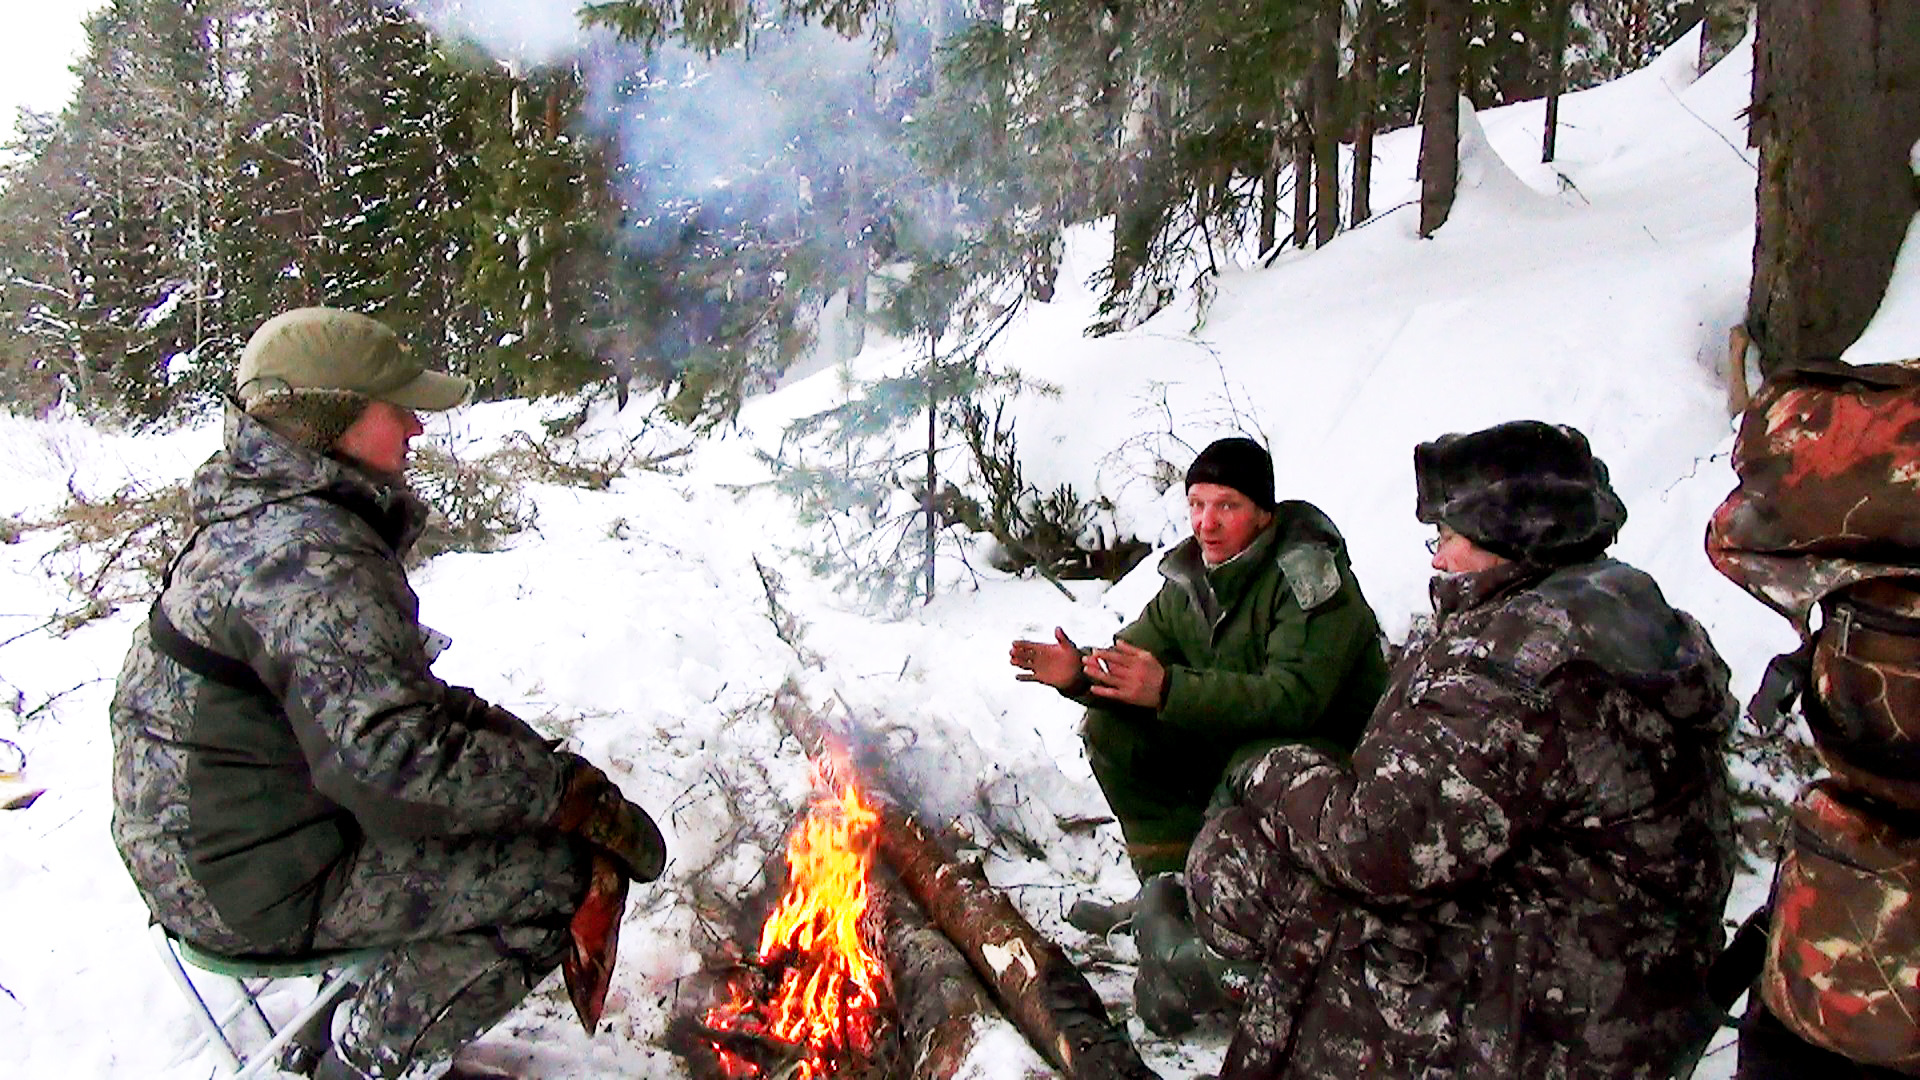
<point>1238,463</point>
<point>1523,490</point>
<point>314,419</point>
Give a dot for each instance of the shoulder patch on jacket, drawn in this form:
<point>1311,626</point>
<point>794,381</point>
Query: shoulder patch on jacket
<point>1311,573</point>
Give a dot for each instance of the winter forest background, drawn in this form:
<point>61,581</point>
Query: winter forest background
<point>828,345</point>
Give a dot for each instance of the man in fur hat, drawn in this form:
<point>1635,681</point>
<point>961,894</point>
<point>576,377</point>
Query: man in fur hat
<point>289,774</point>
<point>1258,637</point>
<point>1521,869</point>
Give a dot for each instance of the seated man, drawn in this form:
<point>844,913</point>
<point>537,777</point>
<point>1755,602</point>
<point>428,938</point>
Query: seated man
<point>290,777</point>
<point>1522,869</point>
<point>1259,636</point>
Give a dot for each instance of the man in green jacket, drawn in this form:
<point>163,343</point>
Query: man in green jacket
<point>1258,637</point>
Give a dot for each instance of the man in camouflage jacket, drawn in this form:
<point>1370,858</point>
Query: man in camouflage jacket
<point>289,775</point>
<point>1521,871</point>
<point>1259,636</point>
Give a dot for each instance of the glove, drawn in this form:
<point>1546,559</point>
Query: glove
<point>593,809</point>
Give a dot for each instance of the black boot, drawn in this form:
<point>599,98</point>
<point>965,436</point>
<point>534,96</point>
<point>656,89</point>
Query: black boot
<point>331,1067</point>
<point>1098,919</point>
<point>1179,976</point>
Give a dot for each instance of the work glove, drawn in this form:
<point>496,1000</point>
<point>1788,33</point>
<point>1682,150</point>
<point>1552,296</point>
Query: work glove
<point>593,809</point>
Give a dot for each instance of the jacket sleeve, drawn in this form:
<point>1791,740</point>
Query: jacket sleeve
<point>1437,791</point>
<point>336,636</point>
<point>1307,658</point>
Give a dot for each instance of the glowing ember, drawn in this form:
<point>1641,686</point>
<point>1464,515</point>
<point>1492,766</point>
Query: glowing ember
<point>831,984</point>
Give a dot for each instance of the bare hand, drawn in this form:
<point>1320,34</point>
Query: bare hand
<point>1127,673</point>
<point>1057,663</point>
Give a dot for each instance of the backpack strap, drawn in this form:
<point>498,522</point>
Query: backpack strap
<point>199,659</point>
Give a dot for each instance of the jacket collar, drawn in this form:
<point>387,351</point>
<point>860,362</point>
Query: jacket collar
<point>1454,593</point>
<point>259,467</point>
<point>1213,590</point>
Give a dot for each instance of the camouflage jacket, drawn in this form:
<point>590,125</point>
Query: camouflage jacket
<point>234,810</point>
<point>1534,834</point>
<point>1277,644</point>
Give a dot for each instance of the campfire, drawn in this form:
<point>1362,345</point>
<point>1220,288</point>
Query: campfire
<point>828,986</point>
<point>884,955</point>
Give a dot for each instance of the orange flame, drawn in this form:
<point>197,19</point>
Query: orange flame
<point>832,984</point>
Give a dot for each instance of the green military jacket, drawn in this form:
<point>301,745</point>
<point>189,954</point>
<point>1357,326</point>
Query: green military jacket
<point>1275,645</point>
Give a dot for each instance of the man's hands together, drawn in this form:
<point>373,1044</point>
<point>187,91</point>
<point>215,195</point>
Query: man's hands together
<point>1124,673</point>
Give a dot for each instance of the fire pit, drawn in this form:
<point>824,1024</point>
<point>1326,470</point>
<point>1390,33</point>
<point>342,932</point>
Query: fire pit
<point>816,991</point>
<point>827,993</point>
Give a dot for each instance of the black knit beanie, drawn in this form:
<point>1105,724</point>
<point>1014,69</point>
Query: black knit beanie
<point>1238,463</point>
<point>1522,490</point>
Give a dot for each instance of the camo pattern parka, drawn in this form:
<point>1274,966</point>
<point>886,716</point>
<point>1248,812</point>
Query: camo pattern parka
<point>238,813</point>
<point>1522,871</point>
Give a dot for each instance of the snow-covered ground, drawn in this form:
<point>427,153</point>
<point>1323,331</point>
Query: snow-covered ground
<point>1596,291</point>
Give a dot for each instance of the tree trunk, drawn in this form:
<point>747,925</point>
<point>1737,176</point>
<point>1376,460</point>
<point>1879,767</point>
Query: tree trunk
<point>1558,13</point>
<point>1326,127</point>
<point>1440,113</point>
<point>1836,114</point>
<point>933,445</point>
<point>1302,176</point>
<point>1366,89</point>
<point>942,1007</point>
<point>1035,984</point>
<point>1726,22</point>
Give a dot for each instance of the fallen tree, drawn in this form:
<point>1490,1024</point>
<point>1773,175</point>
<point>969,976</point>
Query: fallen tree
<point>1030,977</point>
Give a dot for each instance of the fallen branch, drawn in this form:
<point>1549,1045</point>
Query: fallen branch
<point>1035,984</point>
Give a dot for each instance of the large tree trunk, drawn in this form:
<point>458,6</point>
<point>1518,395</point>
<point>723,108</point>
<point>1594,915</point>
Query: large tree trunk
<point>1035,984</point>
<point>1440,113</point>
<point>1270,195</point>
<point>1326,129</point>
<point>1726,23</point>
<point>1836,113</point>
<point>1558,14</point>
<point>1366,91</point>
<point>1302,177</point>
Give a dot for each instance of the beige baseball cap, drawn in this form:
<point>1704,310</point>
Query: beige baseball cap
<point>320,348</point>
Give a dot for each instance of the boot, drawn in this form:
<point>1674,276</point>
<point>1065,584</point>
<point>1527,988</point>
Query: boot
<point>1098,919</point>
<point>1179,976</point>
<point>302,1056</point>
<point>332,1067</point>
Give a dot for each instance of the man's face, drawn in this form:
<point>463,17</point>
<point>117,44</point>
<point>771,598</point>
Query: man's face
<point>1224,521</point>
<point>378,439</point>
<point>1455,554</point>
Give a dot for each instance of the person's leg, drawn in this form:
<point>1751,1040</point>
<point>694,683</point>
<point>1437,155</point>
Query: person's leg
<point>1152,787</point>
<point>474,923</point>
<point>1253,906</point>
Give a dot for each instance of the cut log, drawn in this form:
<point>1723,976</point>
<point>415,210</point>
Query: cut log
<point>1030,977</point>
<point>942,1009</point>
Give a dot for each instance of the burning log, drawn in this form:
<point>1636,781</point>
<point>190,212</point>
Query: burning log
<point>1037,987</point>
<point>942,1008</point>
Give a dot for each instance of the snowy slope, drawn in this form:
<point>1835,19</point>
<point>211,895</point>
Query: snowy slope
<point>634,621</point>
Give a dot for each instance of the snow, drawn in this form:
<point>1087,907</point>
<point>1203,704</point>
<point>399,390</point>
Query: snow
<point>633,622</point>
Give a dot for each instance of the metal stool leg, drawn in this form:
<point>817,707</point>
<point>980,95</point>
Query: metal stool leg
<point>211,1029</point>
<point>332,986</point>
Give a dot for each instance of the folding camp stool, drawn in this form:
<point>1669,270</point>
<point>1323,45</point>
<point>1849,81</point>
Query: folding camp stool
<point>251,977</point>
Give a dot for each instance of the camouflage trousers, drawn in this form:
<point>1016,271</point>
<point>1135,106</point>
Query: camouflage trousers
<point>1251,904</point>
<point>475,923</point>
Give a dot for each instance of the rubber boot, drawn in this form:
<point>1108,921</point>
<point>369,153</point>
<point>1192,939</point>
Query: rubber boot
<point>302,1056</point>
<point>331,1067</point>
<point>1098,919</point>
<point>1179,976</point>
